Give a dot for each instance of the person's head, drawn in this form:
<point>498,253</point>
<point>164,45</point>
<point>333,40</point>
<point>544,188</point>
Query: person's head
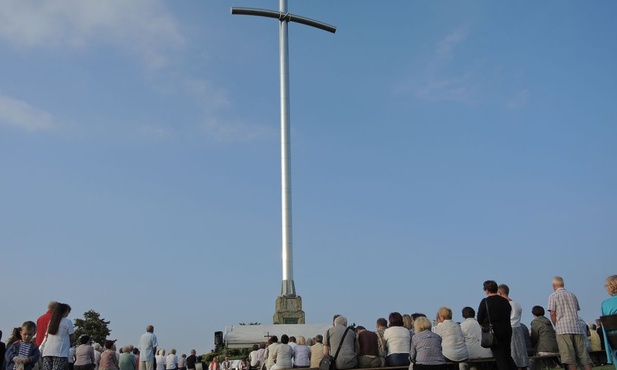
<point>255,347</point>
<point>340,320</point>
<point>395,319</point>
<point>161,352</point>
<point>28,330</point>
<point>334,318</point>
<point>382,323</point>
<point>490,286</point>
<point>273,339</point>
<point>468,313</point>
<point>421,324</point>
<point>301,340</point>
<point>109,344</point>
<point>319,338</point>
<point>262,345</point>
<point>15,335</point>
<point>407,321</point>
<point>193,352</point>
<point>558,282</point>
<point>591,326</point>
<point>310,341</point>
<point>97,347</point>
<point>292,339</point>
<point>173,352</point>
<point>150,328</point>
<point>284,339</point>
<point>136,351</point>
<point>51,305</point>
<point>415,315</point>
<point>360,329</point>
<point>84,339</point>
<point>537,311</point>
<point>503,290</point>
<point>64,308</point>
<point>0,334</point>
<point>126,349</point>
<point>611,285</point>
<point>444,313</point>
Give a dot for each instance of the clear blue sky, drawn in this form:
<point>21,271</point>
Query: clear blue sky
<point>435,144</point>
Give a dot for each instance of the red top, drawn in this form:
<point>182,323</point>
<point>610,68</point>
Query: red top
<point>41,327</point>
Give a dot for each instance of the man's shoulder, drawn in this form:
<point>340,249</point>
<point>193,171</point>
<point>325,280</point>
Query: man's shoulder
<point>561,291</point>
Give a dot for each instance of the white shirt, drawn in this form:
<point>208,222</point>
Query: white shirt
<point>515,315</point>
<point>171,361</point>
<point>472,331</point>
<point>160,362</point>
<point>398,339</point>
<point>59,344</point>
<point>452,340</point>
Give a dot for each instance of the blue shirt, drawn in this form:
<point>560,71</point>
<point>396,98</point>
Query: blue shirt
<point>147,343</point>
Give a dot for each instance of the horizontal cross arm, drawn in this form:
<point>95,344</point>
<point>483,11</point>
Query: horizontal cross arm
<point>287,17</point>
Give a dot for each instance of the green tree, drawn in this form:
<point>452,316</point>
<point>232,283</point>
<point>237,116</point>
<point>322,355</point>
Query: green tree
<point>92,325</point>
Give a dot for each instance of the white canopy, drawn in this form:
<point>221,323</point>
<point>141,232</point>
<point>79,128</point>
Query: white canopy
<point>244,336</point>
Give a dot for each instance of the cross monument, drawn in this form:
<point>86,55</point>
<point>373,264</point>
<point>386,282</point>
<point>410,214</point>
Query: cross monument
<point>288,304</point>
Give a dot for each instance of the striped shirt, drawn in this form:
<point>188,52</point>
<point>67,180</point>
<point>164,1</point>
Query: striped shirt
<point>24,350</point>
<point>565,305</point>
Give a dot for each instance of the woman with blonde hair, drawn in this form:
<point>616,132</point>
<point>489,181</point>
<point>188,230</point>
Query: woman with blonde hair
<point>302,353</point>
<point>407,321</point>
<point>452,337</point>
<point>426,352</point>
<point>160,360</point>
<point>171,361</point>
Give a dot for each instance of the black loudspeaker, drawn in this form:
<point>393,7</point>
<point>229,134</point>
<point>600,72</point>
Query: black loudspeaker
<point>218,338</point>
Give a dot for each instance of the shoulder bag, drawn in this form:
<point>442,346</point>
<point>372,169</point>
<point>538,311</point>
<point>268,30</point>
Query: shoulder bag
<point>328,362</point>
<point>42,345</point>
<point>488,335</point>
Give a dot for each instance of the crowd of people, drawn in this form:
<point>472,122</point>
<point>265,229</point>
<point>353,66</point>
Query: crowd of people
<point>50,344</point>
<point>402,340</point>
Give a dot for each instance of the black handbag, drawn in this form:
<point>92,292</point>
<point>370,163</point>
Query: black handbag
<point>328,362</point>
<point>488,334</point>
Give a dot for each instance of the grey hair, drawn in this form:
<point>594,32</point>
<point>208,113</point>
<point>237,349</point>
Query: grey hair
<point>340,320</point>
<point>558,281</point>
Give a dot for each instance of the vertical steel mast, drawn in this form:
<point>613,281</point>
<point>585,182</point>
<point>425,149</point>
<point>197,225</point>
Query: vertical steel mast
<point>287,287</point>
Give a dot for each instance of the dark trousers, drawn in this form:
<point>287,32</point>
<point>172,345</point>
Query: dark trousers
<point>503,358</point>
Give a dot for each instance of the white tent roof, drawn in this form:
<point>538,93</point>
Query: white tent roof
<point>244,336</point>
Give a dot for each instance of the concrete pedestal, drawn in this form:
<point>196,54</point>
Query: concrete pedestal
<point>288,310</point>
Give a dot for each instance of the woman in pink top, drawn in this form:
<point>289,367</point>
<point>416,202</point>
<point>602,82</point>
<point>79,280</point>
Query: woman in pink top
<point>109,360</point>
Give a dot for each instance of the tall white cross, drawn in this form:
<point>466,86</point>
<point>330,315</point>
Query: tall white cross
<point>287,287</point>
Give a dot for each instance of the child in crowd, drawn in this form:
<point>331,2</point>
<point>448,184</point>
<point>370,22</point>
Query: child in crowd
<point>23,354</point>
